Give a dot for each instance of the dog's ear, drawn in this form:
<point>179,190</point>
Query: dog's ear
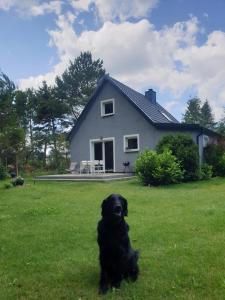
<point>125,205</point>
<point>104,207</point>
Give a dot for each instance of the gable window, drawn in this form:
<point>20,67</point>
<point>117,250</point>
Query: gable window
<point>131,143</point>
<point>107,107</point>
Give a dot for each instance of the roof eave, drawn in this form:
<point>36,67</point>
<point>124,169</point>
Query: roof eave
<point>187,127</point>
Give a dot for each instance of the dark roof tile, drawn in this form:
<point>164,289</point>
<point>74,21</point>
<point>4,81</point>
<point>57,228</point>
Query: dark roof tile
<point>155,112</point>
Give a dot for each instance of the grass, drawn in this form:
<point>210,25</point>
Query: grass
<point>48,246</point>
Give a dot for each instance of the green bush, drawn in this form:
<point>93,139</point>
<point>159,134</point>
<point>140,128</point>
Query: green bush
<point>146,166</point>
<point>7,186</point>
<point>158,169</point>
<point>57,161</point>
<point>3,174</point>
<point>185,150</point>
<point>213,156</point>
<point>206,172</point>
<point>169,169</point>
<point>222,166</point>
<point>18,181</point>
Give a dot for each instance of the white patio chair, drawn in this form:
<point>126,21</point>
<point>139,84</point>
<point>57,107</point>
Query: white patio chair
<point>85,166</point>
<point>98,166</point>
<point>72,168</point>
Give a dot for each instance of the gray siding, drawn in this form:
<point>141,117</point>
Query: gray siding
<point>126,121</point>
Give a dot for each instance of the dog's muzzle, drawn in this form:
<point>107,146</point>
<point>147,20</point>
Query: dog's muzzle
<point>117,211</point>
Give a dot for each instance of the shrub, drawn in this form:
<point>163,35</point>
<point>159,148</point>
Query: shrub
<point>206,172</point>
<point>213,156</point>
<point>2,172</point>
<point>146,166</point>
<point>221,171</point>
<point>158,169</point>
<point>169,168</point>
<point>18,181</point>
<point>185,150</point>
<point>7,186</point>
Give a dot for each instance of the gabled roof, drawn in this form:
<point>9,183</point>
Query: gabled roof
<point>154,113</point>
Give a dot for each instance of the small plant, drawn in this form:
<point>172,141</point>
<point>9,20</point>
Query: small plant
<point>158,169</point>
<point>206,172</point>
<point>213,156</point>
<point>18,181</point>
<point>2,172</point>
<point>221,166</point>
<point>7,186</point>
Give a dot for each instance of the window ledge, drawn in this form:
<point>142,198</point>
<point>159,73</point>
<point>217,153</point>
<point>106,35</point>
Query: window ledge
<point>131,150</point>
<point>108,115</point>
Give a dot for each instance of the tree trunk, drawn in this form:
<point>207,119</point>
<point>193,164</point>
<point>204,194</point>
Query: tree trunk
<point>17,167</point>
<point>45,153</point>
<point>54,135</point>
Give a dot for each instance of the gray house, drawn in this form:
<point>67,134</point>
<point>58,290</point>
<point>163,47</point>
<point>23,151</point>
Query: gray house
<point>119,122</point>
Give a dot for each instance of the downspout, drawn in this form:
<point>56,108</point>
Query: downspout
<point>198,137</point>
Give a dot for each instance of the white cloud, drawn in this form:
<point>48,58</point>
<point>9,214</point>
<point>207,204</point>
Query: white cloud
<point>128,48</point>
<point>29,8</point>
<point>18,5</point>
<point>81,4</point>
<point>142,57</point>
<point>48,7</point>
<point>109,10</point>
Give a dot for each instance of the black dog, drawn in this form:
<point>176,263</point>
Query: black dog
<point>117,259</point>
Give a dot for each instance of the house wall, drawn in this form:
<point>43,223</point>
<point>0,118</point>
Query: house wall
<point>127,120</point>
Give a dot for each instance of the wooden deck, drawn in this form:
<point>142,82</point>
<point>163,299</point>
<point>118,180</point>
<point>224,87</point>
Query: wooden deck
<point>86,177</point>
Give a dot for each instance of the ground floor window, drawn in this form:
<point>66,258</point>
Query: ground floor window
<point>131,143</point>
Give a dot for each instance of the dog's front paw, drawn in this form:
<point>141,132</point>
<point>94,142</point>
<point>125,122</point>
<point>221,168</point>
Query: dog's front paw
<point>103,289</point>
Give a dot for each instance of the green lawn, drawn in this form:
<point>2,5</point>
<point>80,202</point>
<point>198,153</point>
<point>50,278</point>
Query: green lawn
<point>48,246</point>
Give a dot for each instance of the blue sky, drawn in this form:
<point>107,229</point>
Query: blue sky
<point>174,46</point>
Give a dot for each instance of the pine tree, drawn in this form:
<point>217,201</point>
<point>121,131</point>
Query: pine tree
<point>193,111</point>
<point>207,118</point>
<point>50,114</point>
<point>78,82</point>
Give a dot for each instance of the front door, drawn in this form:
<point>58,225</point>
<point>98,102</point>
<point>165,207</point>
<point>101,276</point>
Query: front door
<point>103,150</point>
<point>109,163</point>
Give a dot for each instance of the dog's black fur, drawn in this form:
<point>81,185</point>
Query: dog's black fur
<point>117,259</point>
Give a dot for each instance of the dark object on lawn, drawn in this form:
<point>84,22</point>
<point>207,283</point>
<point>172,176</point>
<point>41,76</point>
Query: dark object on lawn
<point>117,259</point>
<point>126,165</point>
<point>18,181</point>
<point>13,174</point>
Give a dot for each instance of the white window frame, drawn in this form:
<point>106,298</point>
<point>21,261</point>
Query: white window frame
<point>125,144</point>
<point>103,114</point>
<point>91,143</point>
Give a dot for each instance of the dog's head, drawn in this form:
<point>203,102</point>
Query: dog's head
<point>114,206</point>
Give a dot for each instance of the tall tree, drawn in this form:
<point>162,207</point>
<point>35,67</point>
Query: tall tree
<point>50,113</point>
<point>7,112</point>
<point>199,114</point>
<point>207,118</point>
<point>193,111</point>
<point>78,82</point>
<point>11,135</point>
